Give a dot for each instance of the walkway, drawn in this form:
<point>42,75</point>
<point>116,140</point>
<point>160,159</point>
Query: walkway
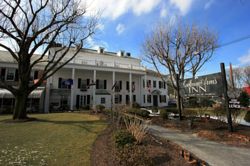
<point>213,153</point>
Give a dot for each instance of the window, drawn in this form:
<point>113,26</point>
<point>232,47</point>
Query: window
<point>164,85</point>
<point>101,84</point>
<point>103,101</point>
<point>83,84</point>
<point>134,98</point>
<point>149,83</point>
<point>127,85</point>
<point>143,83</point>
<point>149,98</point>
<point>163,99</point>
<point>118,86</point>
<point>144,99</point>
<point>133,86</point>
<point>10,76</point>
<point>118,99</point>
<point>160,85</point>
<point>127,99</point>
<point>154,84</point>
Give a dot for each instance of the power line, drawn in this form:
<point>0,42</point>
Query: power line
<point>234,41</point>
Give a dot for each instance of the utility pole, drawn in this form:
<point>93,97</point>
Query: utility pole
<point>224,83</point>
<point>178,96</point>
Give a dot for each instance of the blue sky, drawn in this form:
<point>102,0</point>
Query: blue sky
<point>125,23</point>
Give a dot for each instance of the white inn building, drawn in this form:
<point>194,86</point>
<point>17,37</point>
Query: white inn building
<point>92,78</point>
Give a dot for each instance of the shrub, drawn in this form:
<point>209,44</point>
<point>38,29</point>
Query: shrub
<point>86,107</point>
<point>142,113</point>
<point>136,105</point>
<point>123,137</point>
<point>244,99</point>
<point>100,108</point>
<point>219,111</point>
<point>164,114</point>
<point>235,113</point>
<point>247,116</point>
<point>133,155</point>
<point>193,102</point>
<point>137,128</point>
<point>172,110</point>
<point>190,112</point>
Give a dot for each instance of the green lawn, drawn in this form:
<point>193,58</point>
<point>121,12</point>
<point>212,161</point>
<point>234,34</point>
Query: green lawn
<point>56,139</point>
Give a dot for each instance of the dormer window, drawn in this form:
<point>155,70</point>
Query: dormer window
<point>100,50</point>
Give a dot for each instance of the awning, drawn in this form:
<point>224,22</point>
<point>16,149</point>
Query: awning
<point>37,93</point>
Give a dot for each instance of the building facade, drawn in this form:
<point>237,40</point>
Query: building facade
<point>98,77</point>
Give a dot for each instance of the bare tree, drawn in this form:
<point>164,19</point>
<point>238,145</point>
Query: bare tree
<point>179,49</point>
<point>33,25</point>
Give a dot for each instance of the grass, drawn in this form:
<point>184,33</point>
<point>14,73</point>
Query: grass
<point>54,139</point>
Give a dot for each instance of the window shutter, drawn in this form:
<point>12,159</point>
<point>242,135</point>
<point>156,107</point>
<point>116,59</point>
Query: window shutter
<point>105,84</point>
<point>120,85</point>
<point>97,84</point>
<point>3,71</point>
<point>35,74</point>
<point>16,75</point>
<point>120,98</point>
<point>88,82</point>
<point>79,83</point>
<point>60,82</point>
<point>127,87</point>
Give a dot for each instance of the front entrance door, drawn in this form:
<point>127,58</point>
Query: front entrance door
<point>155,100</point>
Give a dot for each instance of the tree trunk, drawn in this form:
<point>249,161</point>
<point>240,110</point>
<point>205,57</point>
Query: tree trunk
<point>20,106</point>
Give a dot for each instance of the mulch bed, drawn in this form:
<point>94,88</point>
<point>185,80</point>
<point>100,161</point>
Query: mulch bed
<point>160,151</point>
<point>211,129</point>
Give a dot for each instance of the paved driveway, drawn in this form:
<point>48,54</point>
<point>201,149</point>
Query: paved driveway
<point>213,153</point>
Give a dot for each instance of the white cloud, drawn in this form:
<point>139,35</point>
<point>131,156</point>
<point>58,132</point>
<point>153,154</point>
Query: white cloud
<point>183,5</point>
<point>120,28</point>
<point>113,8</point>
<point>245,59</point>
<point>208,4</point>
<point>95,44</point>
<point>164,12</point>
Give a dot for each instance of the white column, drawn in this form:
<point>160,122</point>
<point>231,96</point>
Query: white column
<point>47,95</point>
<point>72,90</point>
<point>130,89</point>
<point>94,88</point>
<point>113,95</point>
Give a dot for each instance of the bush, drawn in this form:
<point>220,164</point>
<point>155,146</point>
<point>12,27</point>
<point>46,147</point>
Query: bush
<point>137,129</point>
<point>190,112</point>
<point>100,108</point>
<point>219,111</point>
<point>193,102</point>
<point>139,112</point>
<point>123,137</point>
<point>136,105</point>
<point>86,107</point>
<point>244,99</point>
<point>172,110</point>
<point>164,114</point>
<point>247,116</point>
<point>133,155</point>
